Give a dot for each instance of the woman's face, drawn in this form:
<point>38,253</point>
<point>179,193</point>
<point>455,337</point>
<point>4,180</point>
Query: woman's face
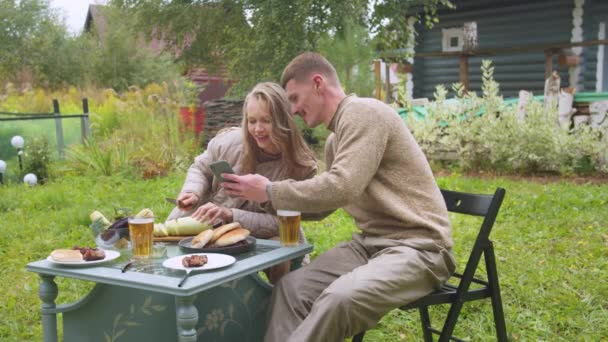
<point>259,125</point>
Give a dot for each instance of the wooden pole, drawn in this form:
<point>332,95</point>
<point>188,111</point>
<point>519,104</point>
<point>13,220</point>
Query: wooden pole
<point>464,71</point>
<point>378,79</point>
<point>85,128</point>
<point>58,128</point>
<point>548,63</point>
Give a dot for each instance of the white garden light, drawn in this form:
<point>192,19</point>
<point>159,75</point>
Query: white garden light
<point>17,142</point>
<point>30,179</point>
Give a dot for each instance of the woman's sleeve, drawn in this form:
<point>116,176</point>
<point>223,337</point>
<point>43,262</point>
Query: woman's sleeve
<point>199,176</point>
<point>261,225</point>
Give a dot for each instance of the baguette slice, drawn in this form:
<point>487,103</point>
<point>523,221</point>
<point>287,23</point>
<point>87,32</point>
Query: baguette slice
<point>219,231</point>
<point>202,239</point>
<point>232,237</point>
<point>67,255</point>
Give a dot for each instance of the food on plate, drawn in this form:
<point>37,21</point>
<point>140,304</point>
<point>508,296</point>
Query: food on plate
<point>219,231</point>
<point>202,239</point>
<point>232,237</point>
<point>226,235</point>
<point>145,213</point>
<point>90,254</point>
<point>120,223</point>
<point>97,216</point>
<point>183,226</point>
<point>67,255</point>
<point>194,260</point>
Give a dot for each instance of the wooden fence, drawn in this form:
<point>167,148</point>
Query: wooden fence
<point>85,129</point>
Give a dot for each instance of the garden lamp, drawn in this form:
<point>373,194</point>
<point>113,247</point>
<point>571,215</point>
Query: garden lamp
<point>17,142</point>
<point>30,179</point>
<point>2,169</point>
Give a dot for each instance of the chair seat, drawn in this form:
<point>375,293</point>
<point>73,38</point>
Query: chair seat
<point>447,294</point>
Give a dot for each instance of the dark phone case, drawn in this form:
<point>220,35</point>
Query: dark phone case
<point>219,167</point>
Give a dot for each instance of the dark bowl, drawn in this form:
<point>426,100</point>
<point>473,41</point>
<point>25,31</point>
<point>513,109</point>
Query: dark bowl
<point>244,246</point>
<point>117,238</point>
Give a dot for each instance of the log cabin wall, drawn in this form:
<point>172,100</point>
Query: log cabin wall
<point>500,24</point>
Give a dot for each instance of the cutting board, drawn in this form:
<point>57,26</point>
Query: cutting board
<point>170,238</point>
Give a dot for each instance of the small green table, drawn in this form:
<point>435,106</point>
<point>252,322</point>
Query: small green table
<point>145,303</point>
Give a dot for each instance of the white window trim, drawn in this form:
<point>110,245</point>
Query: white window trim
<point>446,37</point>
<point>599,76</point>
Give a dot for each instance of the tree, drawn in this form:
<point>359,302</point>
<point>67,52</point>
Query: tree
<point>390,20</point>
<point>255,39</point>
<point>24,24</point>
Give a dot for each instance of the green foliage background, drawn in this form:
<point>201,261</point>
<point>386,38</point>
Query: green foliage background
<point>550,240</point>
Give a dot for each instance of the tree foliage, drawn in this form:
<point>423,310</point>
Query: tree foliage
<point>255,39</point>
<point>37,50</point>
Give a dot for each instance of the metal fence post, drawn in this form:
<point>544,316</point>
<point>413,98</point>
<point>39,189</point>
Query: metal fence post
<point>85,128</point>
<point>58,128</point>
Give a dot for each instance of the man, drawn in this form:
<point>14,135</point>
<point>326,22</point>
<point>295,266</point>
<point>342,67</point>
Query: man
<point>377,172</point>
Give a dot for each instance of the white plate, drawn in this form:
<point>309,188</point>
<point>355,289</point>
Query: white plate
<point>214,260</point>
<point>110,255</point>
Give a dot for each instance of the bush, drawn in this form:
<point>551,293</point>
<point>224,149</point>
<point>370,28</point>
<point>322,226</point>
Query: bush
<point>485,134</point>
<point>38,158</point>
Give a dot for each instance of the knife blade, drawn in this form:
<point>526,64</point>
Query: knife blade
<point>171,200</point>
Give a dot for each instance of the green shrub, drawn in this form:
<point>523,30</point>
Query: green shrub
<point>484,133</point>
<point>37,158</point>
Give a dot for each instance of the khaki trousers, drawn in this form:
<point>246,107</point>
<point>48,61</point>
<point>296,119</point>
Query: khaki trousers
<point>350,287</point>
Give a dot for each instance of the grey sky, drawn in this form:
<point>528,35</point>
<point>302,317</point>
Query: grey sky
<point>75,12</point>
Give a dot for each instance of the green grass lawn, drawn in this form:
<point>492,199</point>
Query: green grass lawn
<point>551,244</point>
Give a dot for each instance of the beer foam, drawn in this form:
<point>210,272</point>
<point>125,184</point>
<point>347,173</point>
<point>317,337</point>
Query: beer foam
<point>288,213</point>
<point>141,220</point>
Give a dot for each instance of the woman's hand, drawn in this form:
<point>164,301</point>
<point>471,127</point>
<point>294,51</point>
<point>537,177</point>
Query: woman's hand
<point>187,201</point>
<point>212,214</point>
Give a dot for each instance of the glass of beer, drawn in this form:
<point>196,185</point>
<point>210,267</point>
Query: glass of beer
<point>140,230</point>
<point>289,227</point>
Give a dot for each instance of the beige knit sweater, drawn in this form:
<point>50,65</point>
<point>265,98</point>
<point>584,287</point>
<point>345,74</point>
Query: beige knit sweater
<point>377,172</point>
<point>228,145</point>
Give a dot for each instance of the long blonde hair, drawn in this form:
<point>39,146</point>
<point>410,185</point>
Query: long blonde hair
<point>296,157</point>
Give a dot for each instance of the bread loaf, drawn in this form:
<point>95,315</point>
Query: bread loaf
<point>233,236</point>
<point>219,231</point>
<point>67,255</point>
<point>202,239</point>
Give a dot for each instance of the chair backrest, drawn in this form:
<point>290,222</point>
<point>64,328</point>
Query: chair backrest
<point>486,206</point>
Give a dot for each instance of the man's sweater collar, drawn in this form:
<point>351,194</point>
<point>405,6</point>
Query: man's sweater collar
<point>338,113</point>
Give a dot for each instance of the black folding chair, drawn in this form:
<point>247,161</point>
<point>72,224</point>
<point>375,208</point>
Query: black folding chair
<point>477,205</point>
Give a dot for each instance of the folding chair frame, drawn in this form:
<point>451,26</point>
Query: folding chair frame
<point>486,206</point>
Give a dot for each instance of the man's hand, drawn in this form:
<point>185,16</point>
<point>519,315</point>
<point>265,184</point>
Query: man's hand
<point>249,187</point>
<point>187,201</point>
<point>212,214</point>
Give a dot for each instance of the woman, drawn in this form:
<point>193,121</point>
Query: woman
<point>268,143</point>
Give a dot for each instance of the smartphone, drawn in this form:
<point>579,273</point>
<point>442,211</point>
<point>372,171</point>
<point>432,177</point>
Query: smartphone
<point>219,167</point>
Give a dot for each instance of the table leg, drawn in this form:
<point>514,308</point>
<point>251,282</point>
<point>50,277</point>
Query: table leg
<point>187,317</point>
<point>48,293</point>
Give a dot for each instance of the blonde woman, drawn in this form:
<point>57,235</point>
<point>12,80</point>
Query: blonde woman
<point>268,143</point>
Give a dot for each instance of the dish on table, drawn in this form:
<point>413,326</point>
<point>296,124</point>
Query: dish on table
<point>109,256</point>
<point>214,261</point>
<point>243,246</point>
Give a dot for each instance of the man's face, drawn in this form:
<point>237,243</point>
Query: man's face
<point>306,101</point>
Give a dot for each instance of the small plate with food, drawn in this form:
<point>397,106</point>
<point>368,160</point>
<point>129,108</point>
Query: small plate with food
<point>228,239</point>
<point>82,256</point>
<point>198,262</point>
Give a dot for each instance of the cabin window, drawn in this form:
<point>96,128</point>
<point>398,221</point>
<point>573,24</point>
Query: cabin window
<point>452,39</point>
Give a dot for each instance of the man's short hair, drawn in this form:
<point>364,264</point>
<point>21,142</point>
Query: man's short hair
<point>307,63</point>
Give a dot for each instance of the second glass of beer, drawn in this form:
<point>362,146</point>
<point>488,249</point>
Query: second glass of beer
<point>289,227</point>
<point>141,230</point>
